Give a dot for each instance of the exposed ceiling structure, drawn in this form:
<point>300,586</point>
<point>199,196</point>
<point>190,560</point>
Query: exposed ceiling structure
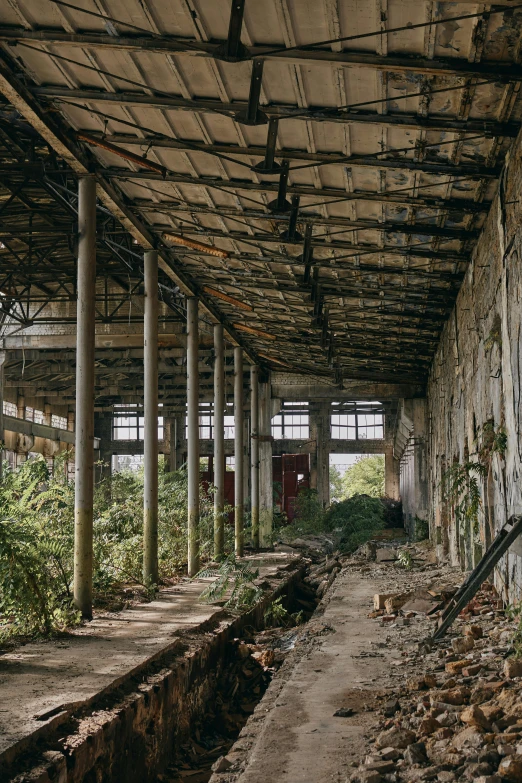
<point>317,172</point>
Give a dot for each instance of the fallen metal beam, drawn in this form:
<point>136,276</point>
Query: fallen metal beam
<point>507,534</point>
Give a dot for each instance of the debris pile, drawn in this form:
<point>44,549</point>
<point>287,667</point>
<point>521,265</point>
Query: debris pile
<point>461,719</point>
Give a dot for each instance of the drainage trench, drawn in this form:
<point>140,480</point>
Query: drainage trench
<point>176,718</point>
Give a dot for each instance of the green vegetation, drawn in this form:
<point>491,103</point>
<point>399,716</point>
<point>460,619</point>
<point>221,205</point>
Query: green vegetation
<point>37,537</point>
<point>364,477</point>
<point>355,520</point>
<point>238,578</point>
<point>461,489</point>
<point>349,523</point>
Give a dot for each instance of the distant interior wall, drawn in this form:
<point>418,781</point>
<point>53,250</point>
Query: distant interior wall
<point>476,380</point>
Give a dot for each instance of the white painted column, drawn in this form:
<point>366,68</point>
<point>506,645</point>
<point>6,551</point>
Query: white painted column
<point>193,434</point>
<point>254,453</point>
<point>239,497</point>
<point>84,442</point>
<point>150,423</point>
<point>219,441</point>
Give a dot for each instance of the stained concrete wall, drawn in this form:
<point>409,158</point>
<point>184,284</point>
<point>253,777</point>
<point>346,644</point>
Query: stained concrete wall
<point>476,377</point>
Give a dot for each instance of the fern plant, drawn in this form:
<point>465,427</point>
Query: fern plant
<point>461,489</point>
<point>234,577</point>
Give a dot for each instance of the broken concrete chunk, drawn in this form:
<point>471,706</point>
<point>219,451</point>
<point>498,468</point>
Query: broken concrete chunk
<point>415,753</point>
<point>429,726</point>
<point>462,644</point>
<point>455,667</point>
<point>458,695</point>
<point>470,737</point>
<point>511,768</point>
<point>474,631</point>
<point>390,708</point>
<point>389,754</point>
<point>365,776</point>
<point>395,738</point>
<point>344,712</point>
<point>395,602</point>
<point>221,765</point>
<point>513,667</point>
<point>473,716</point>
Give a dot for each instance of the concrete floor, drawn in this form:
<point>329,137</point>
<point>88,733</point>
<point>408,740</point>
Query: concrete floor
<point>293,737</point>
<point>44,676</point>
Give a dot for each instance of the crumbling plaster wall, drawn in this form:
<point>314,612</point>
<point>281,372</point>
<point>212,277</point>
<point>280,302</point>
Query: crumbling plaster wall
<point>476,376</point>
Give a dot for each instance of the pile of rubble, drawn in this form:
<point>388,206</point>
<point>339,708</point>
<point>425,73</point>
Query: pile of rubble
<point>461,719</point>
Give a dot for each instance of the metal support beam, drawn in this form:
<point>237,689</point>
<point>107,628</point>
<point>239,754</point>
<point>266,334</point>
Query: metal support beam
<point>150,439</point>
<point>166,44</point>
<point>268,164</point>
<point>219,442</point>
<point>84,443</point>
<point>193,434</point>
<point>280,204</point>
<point>253,115</point>
<point>239,497</point>
<point>254,453</point>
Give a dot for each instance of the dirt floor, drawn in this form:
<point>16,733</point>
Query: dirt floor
<point>40,678</point>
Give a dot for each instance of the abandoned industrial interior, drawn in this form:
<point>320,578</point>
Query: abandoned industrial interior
<point>260,391</point>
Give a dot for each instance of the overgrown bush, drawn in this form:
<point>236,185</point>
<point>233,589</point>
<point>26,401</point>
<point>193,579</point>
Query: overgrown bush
<point>355,520</point>
<point>37,540</point>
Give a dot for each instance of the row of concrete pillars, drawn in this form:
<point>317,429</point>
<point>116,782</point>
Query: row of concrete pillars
<point>84,445</point>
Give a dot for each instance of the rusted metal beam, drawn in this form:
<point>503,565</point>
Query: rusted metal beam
<point>21,98</point>
<point>428,167</point>
<point>173,45</point>
<point>235,184</point>
<point>202,106</point>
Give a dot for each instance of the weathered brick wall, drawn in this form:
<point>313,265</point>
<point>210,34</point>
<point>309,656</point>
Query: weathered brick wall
<point>476,377</point>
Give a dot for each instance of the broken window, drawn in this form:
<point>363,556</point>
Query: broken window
<point>206,421</point>
<point>129,423</point>
<point>357,421</point>
<point>293,422</point>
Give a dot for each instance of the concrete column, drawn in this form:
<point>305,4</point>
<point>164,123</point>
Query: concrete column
<point>70,421</point>
<point>84,442</point>
<point>320,462</point>
<point>254,453</point>
<point>20,406</point>
<point>219,441</point>
<point>103,431</point>
<point>239,463</point>
<point>2,434</point>
<point>48,416</point>
<point>176,435</point>
<point>193,434</point>
<point>391,476</point>
<point>266,479</point>
<point>150,423</point>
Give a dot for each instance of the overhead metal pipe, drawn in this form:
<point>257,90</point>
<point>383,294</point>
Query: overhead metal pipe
<point>254,453</point>
<point>84,441</point>
<point>239,497</point>
<point>150,438</point>
<point>193,434</point>
<point>219,442</point>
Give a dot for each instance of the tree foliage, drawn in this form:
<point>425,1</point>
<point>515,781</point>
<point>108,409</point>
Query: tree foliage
<point>364,477</point>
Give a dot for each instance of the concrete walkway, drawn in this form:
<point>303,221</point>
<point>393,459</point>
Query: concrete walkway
<point>41,678</point>
<point>293,736</point>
